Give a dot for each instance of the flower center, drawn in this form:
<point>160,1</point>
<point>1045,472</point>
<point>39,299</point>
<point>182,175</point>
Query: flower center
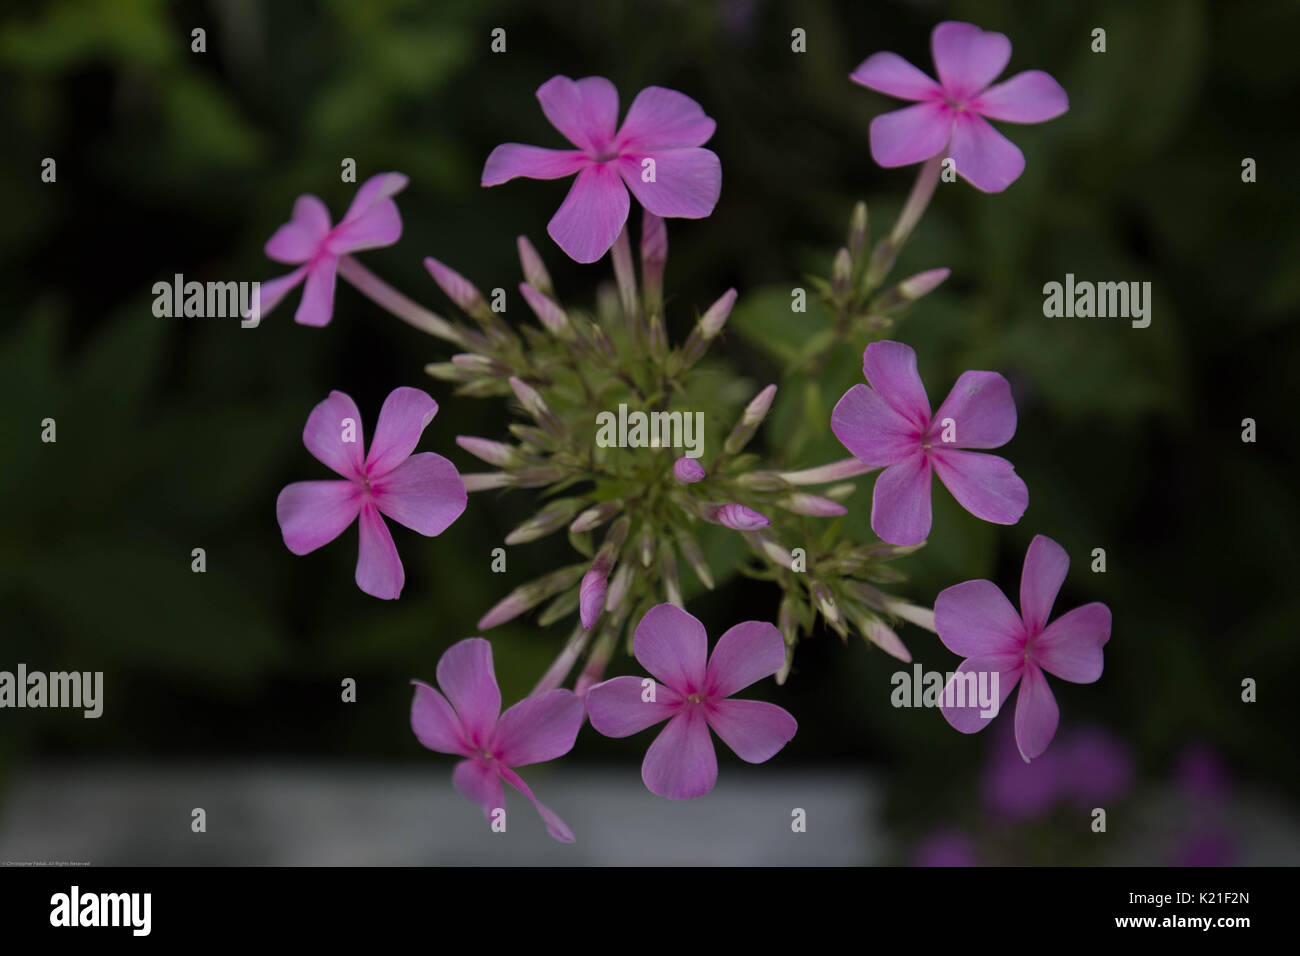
<point>695,700</point>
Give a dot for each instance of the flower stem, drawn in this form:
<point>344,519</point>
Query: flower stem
<point>624,274</point>
<point>917,200</point>
<point>824,474</point>
<point>386,297</point>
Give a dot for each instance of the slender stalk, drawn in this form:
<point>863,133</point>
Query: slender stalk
<point>386,297</point>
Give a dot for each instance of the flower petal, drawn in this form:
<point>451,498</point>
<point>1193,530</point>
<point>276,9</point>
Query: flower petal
<point>402,420</point>
<point>985,485</point>
<point>556,827</point>
<point>272,291</point>
<point>890,368</point>
<point>1044,572</point>
<point>585,111</point>
<point>381,225</point>
<point>975,619</point>
<point>673,646</point>
<point>967,58</point>
<point>746,653</point>
<point>618,708</point>
<point>754,729</point>
<point>465,675</point>
<point>538,728</point>
<point>1036,713</point>
<point>531,162</point>
<point>1071,646</point>
<point>297,239</point>
<point>984,157</point>
<point>900,502</point>
<point>871,429</point>
<point>377,189</point>
<point>889,73</point>
<point>1028,97</point>
<point>982,410</point>
<point>478,782</point>
<point>592,214</point>
<point>424,493</point>
<point>970,716</point>
<point>910,135</point>
<point>314,513</point>
<point>317,305</point>
<point>329,427</point>
<point>379,569</point>
<point>681,763</point>
<point>435,723</point>
<point>660,118</point>
<point>686,182</point>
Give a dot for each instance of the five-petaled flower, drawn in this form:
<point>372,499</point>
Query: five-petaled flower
<point>423,492</point>
<point>693,696</point>
<point>656,152</point>
<point>953,113</point>
<point>976,620</point>
<point>468,722</point>
<point>889,425</point>
<point>308,241</point>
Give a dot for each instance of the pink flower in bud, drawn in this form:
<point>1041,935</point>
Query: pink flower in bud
<point>457,288</point>
<point>712,321</point>
<point>688,470</point>
<point>548,313</point>
<point>591,595</point>
<point>736,517</point>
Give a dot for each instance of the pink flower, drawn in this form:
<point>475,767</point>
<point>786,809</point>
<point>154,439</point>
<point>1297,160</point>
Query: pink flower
<point>953,113</point>
<point>693,697</point>
<point>308,241</point>
<point>890,425</point>
<point>423,492</point>
<point>976,620</point>
<point>688,470</point>
<point>655,153</point>
<point>468,722</point>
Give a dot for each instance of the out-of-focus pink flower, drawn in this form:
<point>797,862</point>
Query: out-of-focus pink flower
<point>688,470</point>
<point>656,154</point>
<point>889,425</point>
<point>737,517</point>
<point>694,696</point>
<point>468,722</point>
<point>1087,768</point>
<point>976,620</point>
<point>953,113</point>
<point>308,241</point>
<point>945,848</point>
<point>424,492</point>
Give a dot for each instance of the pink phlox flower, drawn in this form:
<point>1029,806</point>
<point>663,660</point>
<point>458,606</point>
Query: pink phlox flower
<point>468,722</point>
<point>694,696</point>
<point>656,154</point>
<point>424,492</point>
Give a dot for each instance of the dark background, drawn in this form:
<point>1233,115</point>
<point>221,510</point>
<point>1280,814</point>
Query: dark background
<point>175,434</point>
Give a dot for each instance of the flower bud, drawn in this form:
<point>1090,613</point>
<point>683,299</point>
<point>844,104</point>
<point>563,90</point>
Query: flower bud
<point>668,574</point>
<point>841,275</point>
<point>535,273</point>
<point>493,452</point>
<point>736,517</point>
<point>548,313</point>
<point>753,416</point>
<point>536,406</point>
<point>528,596</point>
<point>551,518</point>
<point>619,585</point>
<point>814,505</point>
<point>457,288</point>
<point>858,231</point>
<point>483,481</point>
<point>596,516</point>
<point>688,470</point>
<point>878,633</point>
<point>654,256</point>
<point>911,289</point>
<point>694,555</point>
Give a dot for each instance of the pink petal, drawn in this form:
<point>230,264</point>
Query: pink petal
<point>871,429</point>
<point>314,513</point>
<point>982,410</point>
<point>424,493</point>
<point>272,291</point>
<point>618,708</point>
<point>556,827</point>
<point>1029,97</point>
<point>329,423</point>
<point>910,135</point>
<point>478,782</point>
<point>538,728</point>
<point>975,619</point>
<point>681,762</point>
<point>592,214</point>
<point>532,162</point>
<point>317,305</point>
<point>1071,647</point>
<point>890,368</point>
<point>1045,566</point>
<point>663,119</point>
<point>1036,714</point>
<point>889,73</point>
<point>673,646</point>
<point>402,420</point>
<point>687,182</point>
<point>754,729</point>
<point>297,239</point>
<point>985,485</point>
<point>465,675</point>
<point>435,723</point>
<point>379,569</point>
<point>969,719</point>
<point>746,653</point>
<point>984,157</point>
<point>585,111</point>
<point>967,58</point>
<point>591,596</point>
<point>373,192</point>
<point>900,502</point>
<point>381,225</point>
<point>738,517</point>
